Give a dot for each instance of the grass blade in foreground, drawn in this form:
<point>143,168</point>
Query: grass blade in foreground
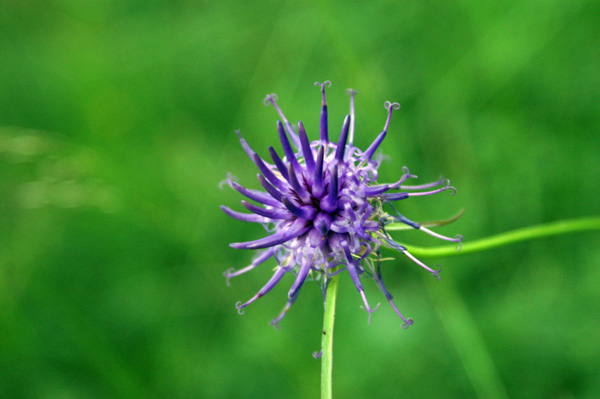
<point>511,237</point>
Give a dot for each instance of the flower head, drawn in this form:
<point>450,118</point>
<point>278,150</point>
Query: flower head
<point>323,209</point>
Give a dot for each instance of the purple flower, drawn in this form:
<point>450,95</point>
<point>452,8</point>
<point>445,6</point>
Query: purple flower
<point>323,209</point>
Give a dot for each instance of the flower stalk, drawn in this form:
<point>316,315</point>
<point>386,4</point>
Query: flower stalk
<point>327,339</point>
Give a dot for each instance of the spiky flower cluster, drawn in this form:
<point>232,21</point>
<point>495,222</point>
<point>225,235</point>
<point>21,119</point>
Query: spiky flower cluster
<point>323,208</point>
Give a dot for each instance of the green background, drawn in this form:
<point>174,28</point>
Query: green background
<point>117,123</point>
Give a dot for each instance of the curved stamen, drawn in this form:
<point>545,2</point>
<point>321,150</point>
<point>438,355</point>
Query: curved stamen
<point>427,185</point>
<point>272,98</point>
<point>352,269</point>
<point>322,86</point>
<point>436,273</point>
<point>389,106</point>
<point>368,154</point>
<point>301,277</point>
<point>403,219</point>
<point>351,133</point>
<point>458,237</point>
<point>404,177</point>
<point>264,290</point>
<point>281,315</point>
<point>407,322</point>
<point>230,273</point>
<point>366,307</point>
<point>295,289</point>
<point>439,190</point>
<point>229,180</point>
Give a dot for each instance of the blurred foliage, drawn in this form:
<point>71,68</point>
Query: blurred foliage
<point>116,126</point>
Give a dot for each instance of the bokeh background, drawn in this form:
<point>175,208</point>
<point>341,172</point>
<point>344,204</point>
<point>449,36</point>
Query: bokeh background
<point>117,123</point>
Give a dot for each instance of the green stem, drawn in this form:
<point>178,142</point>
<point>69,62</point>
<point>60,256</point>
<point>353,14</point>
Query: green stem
<point>327,341</point>
<point>510,237</point>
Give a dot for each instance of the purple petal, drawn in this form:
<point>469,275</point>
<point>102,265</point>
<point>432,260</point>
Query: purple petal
<point>255,195</point>
<point>324,135</point>
<point>306,150</point>
<point>368,154</point>
<point>300,278</point>
<point>375,190</point>
<point>279,163</point>
<point>245,145</point>
<point>268,213</point>
<point>244,217</point>
<point>394,196</point>
<point>296,229</point>
<point>287,148</point>
<point>305,212</point>
<point>329,203</point>
<point>300,191</point>
<point>341,146</point>
<point>318,190</point>
<point>270,189</point>
<point>281,185</point>
<point>403,219</point>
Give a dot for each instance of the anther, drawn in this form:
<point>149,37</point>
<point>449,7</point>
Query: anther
<point>270,98</point>
<point>370,311</point>
<point>322,85</point>
<point>409,322</point>
<point>228,274</point>
<point>389,104</point>
<point>239,307</point>
<point>458,248</point>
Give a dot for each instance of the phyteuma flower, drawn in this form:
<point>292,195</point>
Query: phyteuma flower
<point>323,209</point>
